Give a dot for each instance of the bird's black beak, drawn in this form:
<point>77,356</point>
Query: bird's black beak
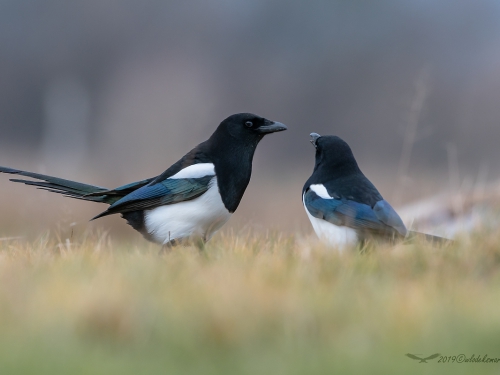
<point>314,138</point>
<point>272,127</point>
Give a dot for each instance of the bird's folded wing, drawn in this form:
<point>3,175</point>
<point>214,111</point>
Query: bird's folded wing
<point>344,212</point>
<point>168,191</point>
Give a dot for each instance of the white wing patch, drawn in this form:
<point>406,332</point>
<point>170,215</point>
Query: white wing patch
<point>321,191</point>
<point>195,171</point>
<point>331,234</point>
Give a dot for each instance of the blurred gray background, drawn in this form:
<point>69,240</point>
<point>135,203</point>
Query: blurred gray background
<point>109,92</point>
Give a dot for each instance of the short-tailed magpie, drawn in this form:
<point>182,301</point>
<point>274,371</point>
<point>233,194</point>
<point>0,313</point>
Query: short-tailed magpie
<point>344,207</point>
<point>193,198</point>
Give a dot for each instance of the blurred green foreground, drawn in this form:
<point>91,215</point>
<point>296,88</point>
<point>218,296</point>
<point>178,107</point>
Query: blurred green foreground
<point>249,304</point>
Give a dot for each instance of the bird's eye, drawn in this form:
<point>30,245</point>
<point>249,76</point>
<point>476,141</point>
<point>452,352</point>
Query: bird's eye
<point>249,124</point>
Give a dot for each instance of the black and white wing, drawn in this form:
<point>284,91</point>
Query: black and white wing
<point>381,219</point>
<point>187,184</point>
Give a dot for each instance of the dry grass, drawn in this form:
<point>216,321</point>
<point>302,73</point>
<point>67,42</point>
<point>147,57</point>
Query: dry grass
<point>248,304</point>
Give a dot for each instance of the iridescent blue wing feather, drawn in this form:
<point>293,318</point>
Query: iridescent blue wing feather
<point>381,219</point>
<point>168,191</point>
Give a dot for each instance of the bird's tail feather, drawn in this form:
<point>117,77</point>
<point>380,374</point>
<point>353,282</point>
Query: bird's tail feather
<point>68,188</point>
<point>412,235</point>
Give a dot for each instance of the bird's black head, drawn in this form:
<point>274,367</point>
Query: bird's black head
<point>248,127</point>
<point>333,154</point>
<point>231,148</point>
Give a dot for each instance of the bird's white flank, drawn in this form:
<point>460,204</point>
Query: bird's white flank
<point>331,234</point>
<point>197,218</point>
<point>195,171</point>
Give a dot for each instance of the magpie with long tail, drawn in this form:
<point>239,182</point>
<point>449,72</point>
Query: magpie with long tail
<point>344,207</point>
<point>193,198</point>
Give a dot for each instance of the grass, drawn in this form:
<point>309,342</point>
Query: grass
<point>249,304</point>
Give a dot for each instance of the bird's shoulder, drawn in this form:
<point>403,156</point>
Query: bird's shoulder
<point>196,163</point>
<point>354,187</point>
<point>340,211</point>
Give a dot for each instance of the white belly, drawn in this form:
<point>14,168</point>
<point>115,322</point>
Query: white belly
<point>331,234</point>
<point>199,218</point>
